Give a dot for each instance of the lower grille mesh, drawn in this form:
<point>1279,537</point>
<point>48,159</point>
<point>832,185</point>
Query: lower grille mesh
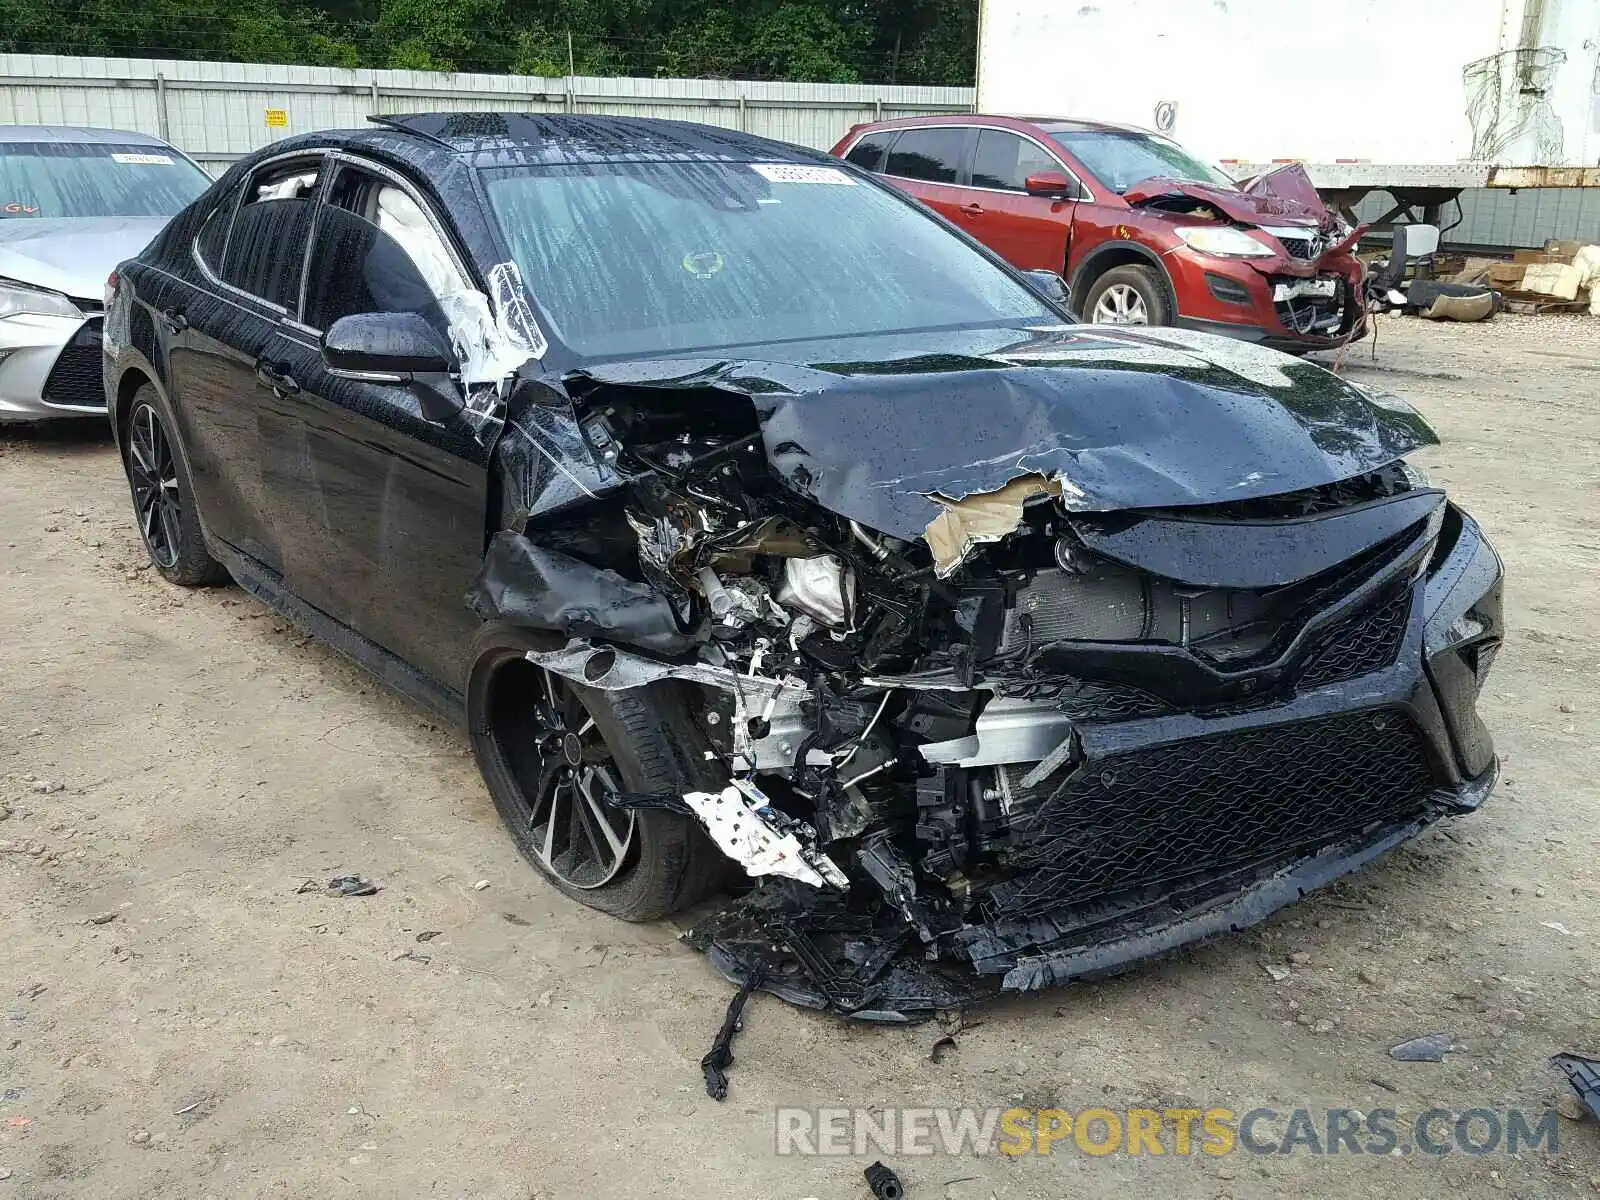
<point>1187,808</point>
<point>76,376</point>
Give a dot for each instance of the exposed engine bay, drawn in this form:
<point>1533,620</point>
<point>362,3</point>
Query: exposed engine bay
<point>1044,736</point>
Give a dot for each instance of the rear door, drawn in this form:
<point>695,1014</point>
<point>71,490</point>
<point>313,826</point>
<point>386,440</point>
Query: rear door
<point>386,531</point>
<point>930,162</point>
<point>227,418</point>
<point>1030,232</point>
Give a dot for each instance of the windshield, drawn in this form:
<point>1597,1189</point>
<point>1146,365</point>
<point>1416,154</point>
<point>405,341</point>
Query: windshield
<point>1119,159</point>
<point>95,179</point>
<point>653,258</point>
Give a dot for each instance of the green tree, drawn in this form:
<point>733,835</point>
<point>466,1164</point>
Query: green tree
<point>906,41</point>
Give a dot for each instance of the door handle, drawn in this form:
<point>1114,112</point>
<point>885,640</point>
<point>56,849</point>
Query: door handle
<point>972,210</point>
<point>280,381</point>
<point>174,319</point>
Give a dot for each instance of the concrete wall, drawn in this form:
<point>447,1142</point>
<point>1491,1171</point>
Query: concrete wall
<point>216,112</point>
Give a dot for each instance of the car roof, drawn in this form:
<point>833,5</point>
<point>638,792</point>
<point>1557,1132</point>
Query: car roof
<point>76,133</point>
<point>1001,121</point>
<point>558,138</point>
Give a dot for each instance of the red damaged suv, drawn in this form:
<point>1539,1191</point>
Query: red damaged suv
<point>1142,231</point>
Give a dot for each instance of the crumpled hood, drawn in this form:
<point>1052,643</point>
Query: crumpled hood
<point>72,255</point>
<point>1118,419</point>
<point>1246,207</point>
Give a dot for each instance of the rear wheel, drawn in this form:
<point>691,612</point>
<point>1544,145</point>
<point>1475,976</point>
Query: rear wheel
<point>551,752</point>
<point>1129,295</point>
<point>163,497</point>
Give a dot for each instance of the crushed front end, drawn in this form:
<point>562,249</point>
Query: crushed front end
<point>1044,739</point>
<point>1292,283</point>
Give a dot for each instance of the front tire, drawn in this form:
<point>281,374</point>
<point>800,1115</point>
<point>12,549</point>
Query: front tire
<point>163,496</point>
<point>1129,295</point>
<point>549,749</point>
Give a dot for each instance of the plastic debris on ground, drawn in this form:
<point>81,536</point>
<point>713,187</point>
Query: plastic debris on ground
<point>351,885</point>
<point>720,1057</point>
<point>885,1184</point>
<point>1430,1047</point>
<point>1584,1075</point>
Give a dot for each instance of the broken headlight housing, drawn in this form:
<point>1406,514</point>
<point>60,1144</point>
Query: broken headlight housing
<point>1416,476</point>
<point>1224,241</point>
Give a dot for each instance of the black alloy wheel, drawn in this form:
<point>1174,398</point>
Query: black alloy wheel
<point>567,772</point>
<point>553,752</point>
<point>154,476</point>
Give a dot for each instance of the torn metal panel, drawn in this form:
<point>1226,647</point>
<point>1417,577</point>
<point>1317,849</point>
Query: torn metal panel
<point>528,585</point>
<point>964,525</point>
<point>1287,190</point>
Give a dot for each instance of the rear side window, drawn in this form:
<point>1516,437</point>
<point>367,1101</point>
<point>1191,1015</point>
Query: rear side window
<point>1004,160</point>
<point>214,233</point>
<point>933,154</point>
<point>268,244</point>
<point>869,151</point>
<point>376,251</point>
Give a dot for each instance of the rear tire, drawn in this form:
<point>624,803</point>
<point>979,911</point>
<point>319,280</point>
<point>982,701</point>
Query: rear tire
<point>163,496</point>
<point>668,862</point>
<point>1129,295</point>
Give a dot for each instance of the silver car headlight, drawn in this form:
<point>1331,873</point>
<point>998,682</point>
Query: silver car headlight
<point>1224,241</point>
<point>18,298</point>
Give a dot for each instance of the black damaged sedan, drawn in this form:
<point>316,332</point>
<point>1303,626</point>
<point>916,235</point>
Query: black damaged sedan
<point>765,531</point>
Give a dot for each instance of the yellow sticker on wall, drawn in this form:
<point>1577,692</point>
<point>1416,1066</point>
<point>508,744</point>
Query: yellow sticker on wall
<point>277,118</point>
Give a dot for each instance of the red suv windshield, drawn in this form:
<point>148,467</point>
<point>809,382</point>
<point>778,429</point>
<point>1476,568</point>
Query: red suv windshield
<point>1120,159</point>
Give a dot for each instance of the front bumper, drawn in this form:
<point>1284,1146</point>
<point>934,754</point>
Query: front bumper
<point>1255,300</point>
<point>1205,820</point>
<point>50,368</point>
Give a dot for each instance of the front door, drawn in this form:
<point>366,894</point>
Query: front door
<point>387,530</point>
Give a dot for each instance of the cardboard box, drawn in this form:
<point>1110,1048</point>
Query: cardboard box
<point>1507,275</point>
<point>1560,280</point>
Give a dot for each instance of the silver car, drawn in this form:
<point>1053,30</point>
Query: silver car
<point>73,204</point>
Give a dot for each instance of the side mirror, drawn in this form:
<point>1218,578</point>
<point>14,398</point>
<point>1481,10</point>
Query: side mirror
<point>400,344</point>
<point>395,348</point>
<point>1049,285</point>
<point>1049,183</point>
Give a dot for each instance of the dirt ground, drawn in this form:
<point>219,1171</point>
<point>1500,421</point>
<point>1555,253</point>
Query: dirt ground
<point>223,1034</point>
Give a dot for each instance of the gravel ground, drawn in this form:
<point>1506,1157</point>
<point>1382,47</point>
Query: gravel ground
<point>178,1020</point>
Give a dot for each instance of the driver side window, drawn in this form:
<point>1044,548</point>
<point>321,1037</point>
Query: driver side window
<point>376,251</point>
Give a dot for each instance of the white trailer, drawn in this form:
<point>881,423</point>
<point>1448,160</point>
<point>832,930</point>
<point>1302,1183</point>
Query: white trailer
<point>1421,98</point>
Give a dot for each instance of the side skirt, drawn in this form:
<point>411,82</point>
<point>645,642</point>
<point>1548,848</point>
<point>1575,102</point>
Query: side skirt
<point>266,585</point>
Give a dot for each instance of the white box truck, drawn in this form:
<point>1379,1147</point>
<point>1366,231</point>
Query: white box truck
<point>1421,98</point>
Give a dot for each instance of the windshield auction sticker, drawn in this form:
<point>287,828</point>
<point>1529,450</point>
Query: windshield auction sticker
<point>143,160</point>
<point>800,173</point>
